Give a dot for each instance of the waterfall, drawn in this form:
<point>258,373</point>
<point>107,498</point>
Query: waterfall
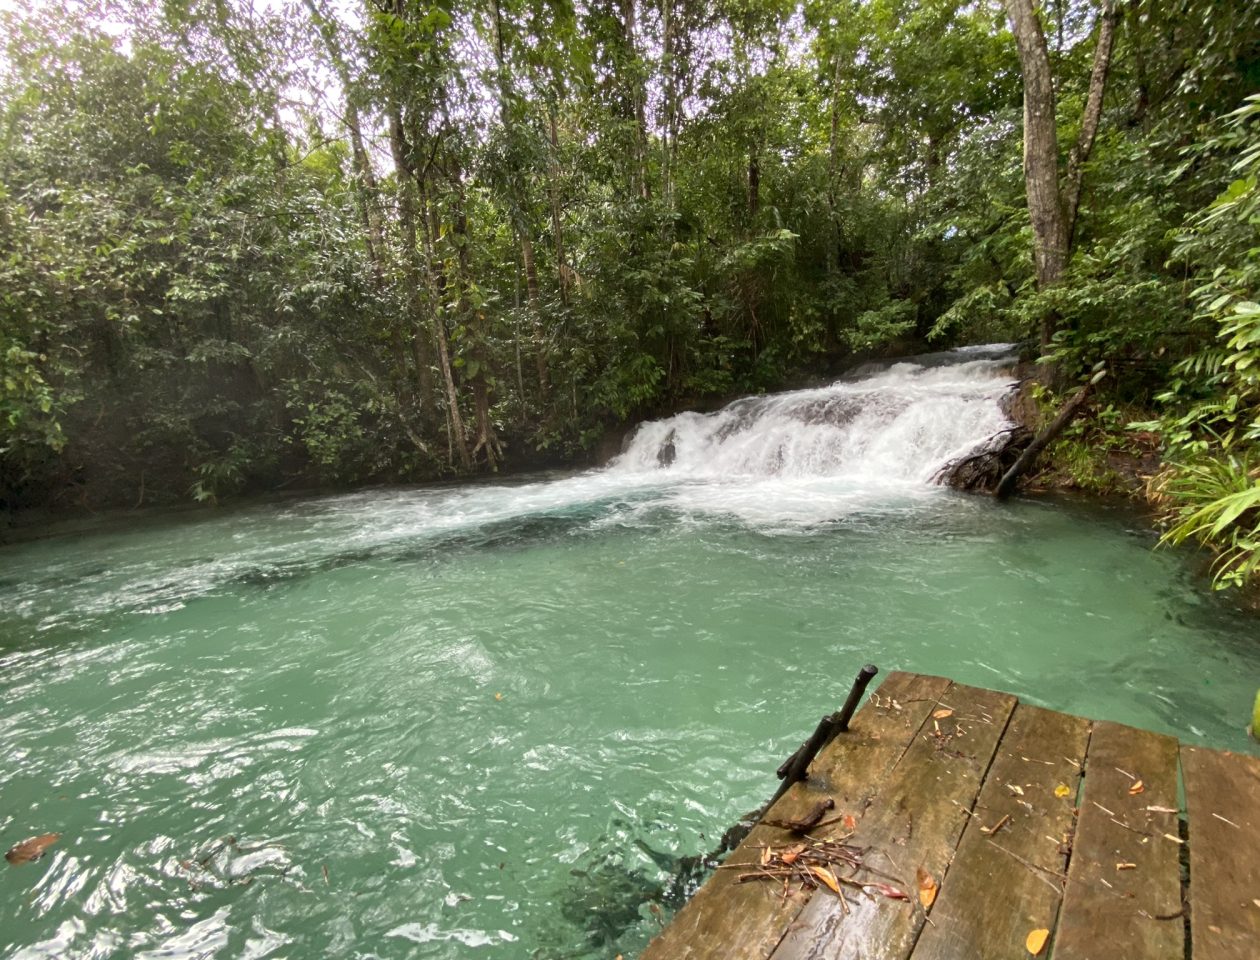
<point>895,426</point>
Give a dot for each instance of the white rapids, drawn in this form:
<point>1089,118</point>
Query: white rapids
<point>804,455</point>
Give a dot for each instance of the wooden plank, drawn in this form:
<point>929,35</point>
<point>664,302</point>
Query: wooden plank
<point>915,822</point>
<point>1223,810</point>
<point>1124,873</point>
<point>734,921</point>
<point>1002,885</point>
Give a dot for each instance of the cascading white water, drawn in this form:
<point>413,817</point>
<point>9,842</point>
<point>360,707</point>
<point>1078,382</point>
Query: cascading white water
<point>895,427</point>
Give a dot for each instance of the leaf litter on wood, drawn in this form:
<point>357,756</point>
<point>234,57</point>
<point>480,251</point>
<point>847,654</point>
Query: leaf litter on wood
<point>833,864</point>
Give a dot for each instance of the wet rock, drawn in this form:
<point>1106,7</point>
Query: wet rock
<point>668,453</point>
<point>982,467</point>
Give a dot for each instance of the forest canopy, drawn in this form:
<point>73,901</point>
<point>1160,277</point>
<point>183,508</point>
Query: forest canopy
<point>245,246</point>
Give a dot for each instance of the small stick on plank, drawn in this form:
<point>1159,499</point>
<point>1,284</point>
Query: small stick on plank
<point>1038,871</point>
<point>990,831</point>
<point>1120,823</point>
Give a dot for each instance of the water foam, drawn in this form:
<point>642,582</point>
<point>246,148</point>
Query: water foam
<point>893,428</point>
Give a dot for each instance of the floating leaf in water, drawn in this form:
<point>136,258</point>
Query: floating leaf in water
<point>1062,790</point>
<point>498,696</point>
<point>927,887</point>
<point>942,713</point>
<point>1015,789</point>
<point>827,877</point>
<point>1036,941</point>
<point>32,849</point>
<point>1136,788</point>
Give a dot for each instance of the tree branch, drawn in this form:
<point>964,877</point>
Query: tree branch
<point>1092,115</point>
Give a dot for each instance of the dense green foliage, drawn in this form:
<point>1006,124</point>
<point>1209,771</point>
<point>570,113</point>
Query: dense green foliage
<point>399,240</point>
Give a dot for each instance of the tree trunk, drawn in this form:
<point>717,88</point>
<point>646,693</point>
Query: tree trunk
<point>557,222</point>
<point>1091,117</point>
<point>1051,209</point>
<point>638,95</point>
<point>1041,147</point>
<point>437,288</point>
<point>475,319</point>
<point>518,200</point>
<point>411,268</point>
<point>1047,436</point>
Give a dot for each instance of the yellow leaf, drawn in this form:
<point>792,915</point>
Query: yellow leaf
<point>927,887</point>
<point>1036,941</point>
<point>827,877</point>
<point>1136,788</point>
<point>498,696</point>
<point>942,713</point>
<point>1062,790</point>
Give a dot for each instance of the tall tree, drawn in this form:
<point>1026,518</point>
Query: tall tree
<point>1054,197</point>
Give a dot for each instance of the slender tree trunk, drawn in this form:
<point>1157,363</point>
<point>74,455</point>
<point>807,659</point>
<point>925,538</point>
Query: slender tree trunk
<point>669,58</point>
<point>754,188</point>
<point>475,318</point>
<point>638,94</point>
<point>437,295</point>
<point>557,220</point>
<point>411,271</point>
<point>833,168</point>
<point>1092,115</point>
<point>519,202</point>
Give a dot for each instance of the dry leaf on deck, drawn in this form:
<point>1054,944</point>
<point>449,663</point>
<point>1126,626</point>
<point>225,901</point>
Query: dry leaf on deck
<point>32,849</point>
<point>789,856</point>
<point>1062,790</point>
<point>892,893</point>
<point>1036,941</point>
<point>942,713</point>
<point>827,877</point>
<point>927,887</point>
<point>1136,788</point>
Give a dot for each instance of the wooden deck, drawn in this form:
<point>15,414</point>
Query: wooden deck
<point>1022,819</point>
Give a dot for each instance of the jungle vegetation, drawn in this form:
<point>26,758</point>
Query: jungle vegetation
<point>253,245</point>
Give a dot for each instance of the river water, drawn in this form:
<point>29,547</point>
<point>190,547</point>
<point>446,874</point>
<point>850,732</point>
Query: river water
<point>490,720</point>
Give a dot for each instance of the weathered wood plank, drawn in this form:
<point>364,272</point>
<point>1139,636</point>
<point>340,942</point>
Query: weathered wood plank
<point>1004,884</point>
<point>734,921</point>
<point>1223,811</point>
<point>1124,873</point>
<point>915,822</point>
